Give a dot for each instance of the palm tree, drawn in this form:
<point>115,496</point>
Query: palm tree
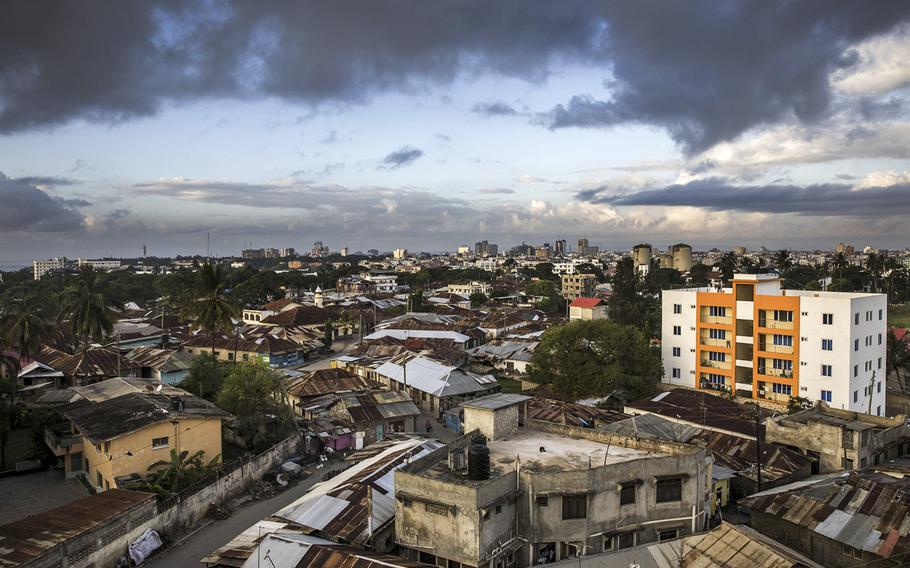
<point>84,305</point>
<point>728,265</point>
<point>212,310</point>
<point>22,328</point>
<point>179,469</point>
<point>840,263</point>
<point>783,260</point>
<point>875,265</point>
<point>897,359</point>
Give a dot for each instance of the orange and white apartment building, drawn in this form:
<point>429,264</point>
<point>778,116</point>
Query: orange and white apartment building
<point>761,341</point>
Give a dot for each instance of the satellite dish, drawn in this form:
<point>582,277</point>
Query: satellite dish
<point>158,388</point>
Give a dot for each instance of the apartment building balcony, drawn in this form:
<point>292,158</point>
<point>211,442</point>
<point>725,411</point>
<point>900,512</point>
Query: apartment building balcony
<point>725,365</point>
<point>770,323</point>
<point>712,342</point>
<point>772,372</point>
<point>771,348</point>
<point>776,397</point>
<point>716,320</point>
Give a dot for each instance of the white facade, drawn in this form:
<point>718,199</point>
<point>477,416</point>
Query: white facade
<point>473,287</point>
<point>99,264</point>
<point>838,352</point>
<point>400,253</point>
<point>42,267</point>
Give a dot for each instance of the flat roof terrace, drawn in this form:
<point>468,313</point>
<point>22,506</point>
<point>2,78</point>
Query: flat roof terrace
<point>560,453</point>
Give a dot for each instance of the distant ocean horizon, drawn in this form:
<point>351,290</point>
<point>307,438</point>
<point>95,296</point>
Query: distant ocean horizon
<point>13,265</point>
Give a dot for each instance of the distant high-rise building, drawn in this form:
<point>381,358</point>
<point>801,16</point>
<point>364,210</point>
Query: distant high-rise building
<point>484,248</point>
<point>319,249</point>
<point>847,250</point>
<point>344,251</point>
<point>42,267</point>
<point>286,252</point>
<point>560,247</point>
<point>464,249</point>
<point>522,250</point>
<point>739,251</point>
<point>373,252</point>
<point>578,286</point>
<point>543,252</point>
<point>682,257</point>
<point>582,244</point>
<point>641,257</point>
<point>400,253</point>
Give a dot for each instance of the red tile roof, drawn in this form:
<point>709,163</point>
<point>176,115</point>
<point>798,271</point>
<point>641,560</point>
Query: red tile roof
<point>900,333</point>
<point>587,303</point>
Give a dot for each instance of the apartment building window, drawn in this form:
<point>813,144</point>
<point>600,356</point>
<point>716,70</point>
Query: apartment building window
<point>826,396</point>
<point>855,370</point>
<point>878,410</point>
<point>574,506</point>
<point>828,319</point>
<point>627,540</point>
<point>869,315</point>
<point>878,387</point>
<point>856,318</point>
<point>783,340</point>
<point>627,493</point>
<point>677,330</point>
<point>717,356</point>
<point>827,345</point>
<point>716,379</point>
<point>879,362</point>
<point>677,352</point>
<point>676,373</point>
<point>609,543</point>
<point>670,534</point>
<point>669,490</point>
<point>159,442</point>
<point>717,333</point>
<point>827,371</point>
<point>677,308</point>
<point>855,395</point>
<point>880,314</point>
<point>717,311</point>
<point>783,315</point>
<point>543,501</point>
<point>856,344</point>
<point>778,388</point>
<point>879,338</point>
<point>782,364</point>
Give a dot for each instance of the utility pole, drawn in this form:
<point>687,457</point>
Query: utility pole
<point>758,448</point>
<point>871,390</point>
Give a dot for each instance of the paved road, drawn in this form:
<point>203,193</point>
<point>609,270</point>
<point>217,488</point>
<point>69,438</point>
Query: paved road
<point>340,347</point>
<point>219,533</point>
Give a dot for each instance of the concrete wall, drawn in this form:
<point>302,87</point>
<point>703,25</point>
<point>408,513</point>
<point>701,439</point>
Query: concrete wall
<point>492,424</point>
<point>686,342</point>
<point>104,545</point>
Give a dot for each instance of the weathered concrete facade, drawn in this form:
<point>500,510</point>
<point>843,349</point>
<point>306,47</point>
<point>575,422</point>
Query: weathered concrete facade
<point>840,438</point>
<point>569,501</point>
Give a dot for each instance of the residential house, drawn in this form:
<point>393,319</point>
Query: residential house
<point>528,492</point>
<point>587,309</point>
<point>122,426</point>
<point>376,414</point>
<point>858,518</point>
<point>319,383</point>
<point>82,368</point>
<point>163,365</point>
<point>505,355</point>
<point>841,439</point>
<point>268,349</point>
<point>435,387</point>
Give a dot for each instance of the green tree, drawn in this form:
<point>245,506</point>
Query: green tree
<point>898,359</point>
<point>21,326</point>
<point>783,260</point>
<point>328,333</point>
<point>177,472</point>
<point>797,403</point>
<point>212,309</point>
<point>478,299</point>
<point>840,264</point>
<point>253,394</point>
<point>631,303</point>
<point>727,265</point>
<point>875,265</point>
<point>594,358</point>
<point>85,306</point>
<point>204,378</point>
<point>698,274</point>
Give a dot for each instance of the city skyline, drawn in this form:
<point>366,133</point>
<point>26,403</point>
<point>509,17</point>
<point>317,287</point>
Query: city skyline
<point>447,125</point>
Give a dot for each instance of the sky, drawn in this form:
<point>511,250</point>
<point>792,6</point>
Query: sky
<point>427,125</point>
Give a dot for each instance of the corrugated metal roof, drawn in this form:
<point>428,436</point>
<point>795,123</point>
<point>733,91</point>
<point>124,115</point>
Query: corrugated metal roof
<point>496,401</point>
<point>429,376</point>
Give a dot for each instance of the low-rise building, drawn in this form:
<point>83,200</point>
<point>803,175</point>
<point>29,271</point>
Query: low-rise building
<point>272,351</point>
<point>855,519</point>
<point>433,386</point>
<point>587,309</point>
<point>42,267</point>
<point>122,426</point>
<point>473,287</point>
<point>377,414</point>
<point>321,382</point>
<point>163,365</point>
<point>841,439</point>
<point>530,492</point>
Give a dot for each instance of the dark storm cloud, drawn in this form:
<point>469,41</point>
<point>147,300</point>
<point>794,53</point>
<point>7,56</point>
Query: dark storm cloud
<point>826,199</point>
<point>47,180</point>
<point>708,71</point>
<point>110,61</point>
<point>404,156</point>
<point>494,108</point>
<point>27,208</point>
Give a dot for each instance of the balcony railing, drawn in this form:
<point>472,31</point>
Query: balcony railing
<point>717,364</point>
<point>771,348</point>
<point>725,320</point>
<point>774,324</point>
<point>59,442</point>
<point>772,372</point>
<point>716,342</point>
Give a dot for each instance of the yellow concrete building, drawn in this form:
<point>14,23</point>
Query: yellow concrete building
<point>130,425</point>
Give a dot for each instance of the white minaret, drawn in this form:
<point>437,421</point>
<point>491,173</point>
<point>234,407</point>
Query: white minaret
<point>319,298</point>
